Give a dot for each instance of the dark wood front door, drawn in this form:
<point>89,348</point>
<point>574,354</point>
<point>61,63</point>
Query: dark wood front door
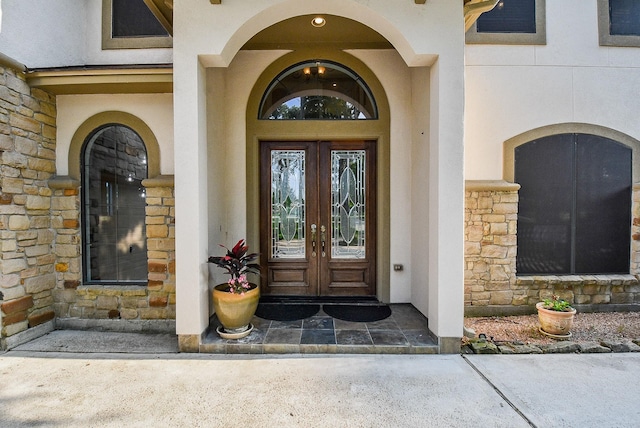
<point>318,207</point>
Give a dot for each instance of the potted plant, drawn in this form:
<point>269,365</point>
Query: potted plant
<point>556,317</point>
<point>236,301</point>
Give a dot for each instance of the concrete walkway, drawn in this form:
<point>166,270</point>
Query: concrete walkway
<point>47,388</point>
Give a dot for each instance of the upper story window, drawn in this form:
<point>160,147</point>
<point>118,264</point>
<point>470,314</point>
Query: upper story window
<point>128,24</point>
<point>517,22</point>
<point>114,163</point>
<point>318,90</point>
<point>619,22</point>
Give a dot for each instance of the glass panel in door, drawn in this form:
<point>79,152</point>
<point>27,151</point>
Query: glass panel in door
<point>316,201</point>
<point>348,204</point>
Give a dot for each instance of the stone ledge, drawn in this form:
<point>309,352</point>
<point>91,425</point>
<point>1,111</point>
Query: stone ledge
<point>575,279</point>
<point>159,181</point>
<point>63,182</point>
<point>115,325</point>
<point>490,185</point>
<point>27,335</point>
<point>6,61</point>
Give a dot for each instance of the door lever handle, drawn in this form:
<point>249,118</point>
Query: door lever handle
<point>323,239</point>
<point>313,240</point>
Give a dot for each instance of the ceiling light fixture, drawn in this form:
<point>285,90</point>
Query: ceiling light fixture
<point>318,22</point>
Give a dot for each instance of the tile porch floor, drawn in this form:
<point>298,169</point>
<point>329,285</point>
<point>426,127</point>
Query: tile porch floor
<point>403,332</point>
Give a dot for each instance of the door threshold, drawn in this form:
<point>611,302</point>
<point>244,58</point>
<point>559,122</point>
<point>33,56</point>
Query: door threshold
<point>335,300</point>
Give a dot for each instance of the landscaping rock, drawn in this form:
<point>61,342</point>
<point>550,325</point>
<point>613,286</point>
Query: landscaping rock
<point>593,348</point>
<point>560,348</point>
<point>621,346</point>
<point>514,348</point>
<point>481,346</point>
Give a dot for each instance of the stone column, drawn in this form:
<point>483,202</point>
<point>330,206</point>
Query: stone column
<point>491,212</point>
<point>27,161</point>
<point>161,248</point>
<point>65,221</point>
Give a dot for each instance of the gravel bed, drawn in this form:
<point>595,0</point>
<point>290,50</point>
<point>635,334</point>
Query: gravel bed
<point>587,327</point>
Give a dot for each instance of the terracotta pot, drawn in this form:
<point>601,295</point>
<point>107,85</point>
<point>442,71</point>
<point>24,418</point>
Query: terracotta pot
<point>555,322</point>
<point>235,310</point>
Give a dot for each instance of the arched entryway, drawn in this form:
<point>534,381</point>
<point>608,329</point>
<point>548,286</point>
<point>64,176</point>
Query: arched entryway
<point>415,74</point>
<point>334,239</point>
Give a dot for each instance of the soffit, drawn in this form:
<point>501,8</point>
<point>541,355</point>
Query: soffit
<point>339,32</point>
<point>103,80</point>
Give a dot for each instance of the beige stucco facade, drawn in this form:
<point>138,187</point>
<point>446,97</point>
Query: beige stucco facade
<point>451,115</point>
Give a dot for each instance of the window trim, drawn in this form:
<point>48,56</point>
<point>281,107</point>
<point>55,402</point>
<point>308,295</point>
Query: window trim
<point>320,62</point>
<point>509,146</point>
<point>538,38</point>
<point>604,28</point>
<point>109,42</point>
<point>106,117</point>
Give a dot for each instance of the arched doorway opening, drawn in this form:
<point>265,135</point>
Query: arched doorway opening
<point>326,237</point>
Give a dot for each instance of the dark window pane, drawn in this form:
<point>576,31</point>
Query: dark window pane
<point>114,165</point>
<point>574,214</point>
<point>509,16</point>
<point>132,18</point>
<point>624,17</point>
<point>603,205</point>
<point>543,168</point>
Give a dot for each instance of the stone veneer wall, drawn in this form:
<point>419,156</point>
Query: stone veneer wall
<point>491,284</point>
<point>27,151</point>
<point>156,300</point>
<point>491,213</point>
<point>40,230</point>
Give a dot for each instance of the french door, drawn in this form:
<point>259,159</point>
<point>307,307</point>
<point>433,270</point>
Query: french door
<point>317,227</point>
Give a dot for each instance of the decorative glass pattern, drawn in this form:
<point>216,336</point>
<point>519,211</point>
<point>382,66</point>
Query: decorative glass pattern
<point>288,204</point>
<point>348,204</point>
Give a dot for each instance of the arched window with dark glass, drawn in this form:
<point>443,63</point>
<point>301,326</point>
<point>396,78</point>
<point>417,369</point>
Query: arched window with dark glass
<point>574,210</point>
<point>114,163</point>
<point>321,90</point>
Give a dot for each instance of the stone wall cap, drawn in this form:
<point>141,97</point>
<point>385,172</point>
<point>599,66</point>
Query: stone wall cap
<point>7,61</point>
<point>159,181</point>
<point>63,182</point>
<point>490,185</point>
<point>575,278</point>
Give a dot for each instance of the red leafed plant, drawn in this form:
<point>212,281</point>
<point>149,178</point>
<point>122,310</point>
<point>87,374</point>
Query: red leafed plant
<point>237,263</point>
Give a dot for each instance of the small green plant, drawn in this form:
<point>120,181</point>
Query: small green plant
<point>557,304</point>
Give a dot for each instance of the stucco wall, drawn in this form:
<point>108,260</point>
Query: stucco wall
<point>64,33</point>
<point>156,110</point>
<point>513,89</point>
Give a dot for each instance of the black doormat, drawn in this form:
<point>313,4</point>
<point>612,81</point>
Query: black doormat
<point>358,313</point>
<point>286,312</point>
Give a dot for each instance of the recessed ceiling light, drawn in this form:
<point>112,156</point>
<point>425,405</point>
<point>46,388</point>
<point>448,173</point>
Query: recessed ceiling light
<point>318,22</point>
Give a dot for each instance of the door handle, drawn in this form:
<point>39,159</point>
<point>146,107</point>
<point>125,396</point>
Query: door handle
<point>323,239</point>
<point>313,239</point>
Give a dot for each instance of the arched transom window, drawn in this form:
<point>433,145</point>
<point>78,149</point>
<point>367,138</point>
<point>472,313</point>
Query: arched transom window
<point>114,163</point>
<point>318,89</point>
